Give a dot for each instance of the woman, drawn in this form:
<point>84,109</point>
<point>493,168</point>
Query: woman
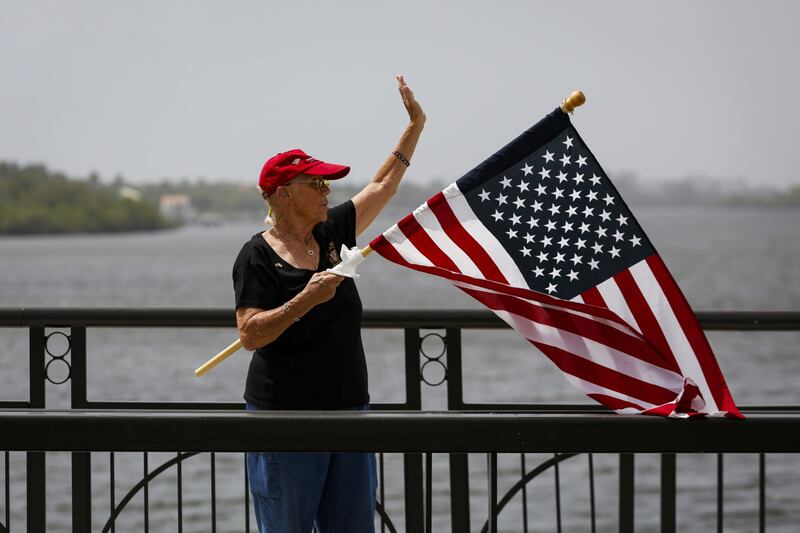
<point>305,326</point>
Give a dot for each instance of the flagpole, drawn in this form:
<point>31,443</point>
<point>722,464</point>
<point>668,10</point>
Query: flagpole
<point>568,105</point>
<point>237,344</point>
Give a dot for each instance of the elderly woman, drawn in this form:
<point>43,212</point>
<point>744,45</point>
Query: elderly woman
<point>305,326</point>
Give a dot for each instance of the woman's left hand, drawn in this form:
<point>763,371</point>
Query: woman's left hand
<point>415,112</point>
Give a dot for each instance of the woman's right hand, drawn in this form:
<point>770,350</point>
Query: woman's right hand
<point>322,286</point>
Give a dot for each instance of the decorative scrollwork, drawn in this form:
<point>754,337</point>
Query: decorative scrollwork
<point>436,372</point>
<point>57,356</point>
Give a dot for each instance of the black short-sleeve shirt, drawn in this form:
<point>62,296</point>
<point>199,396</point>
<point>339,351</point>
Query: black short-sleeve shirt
<point>318,362</point>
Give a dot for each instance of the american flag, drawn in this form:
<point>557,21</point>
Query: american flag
<point>538,234</point>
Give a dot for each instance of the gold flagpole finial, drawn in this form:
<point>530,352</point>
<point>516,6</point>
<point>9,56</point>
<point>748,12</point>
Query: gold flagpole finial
<point>574,100</point>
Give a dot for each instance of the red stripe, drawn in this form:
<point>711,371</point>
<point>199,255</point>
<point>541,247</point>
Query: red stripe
<point>571,323</point>
<point>606,377</point>
<point>461,237</point>
<point>614,403</point>
<point>423,242</point>
<point>696,337</point>
<point>593,297</point>
<point>647,321</point>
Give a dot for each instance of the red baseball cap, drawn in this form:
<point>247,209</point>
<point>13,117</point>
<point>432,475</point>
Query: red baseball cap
<point>280,169</point>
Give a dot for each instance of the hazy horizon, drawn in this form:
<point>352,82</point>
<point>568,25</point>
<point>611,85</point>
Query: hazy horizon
<point>182,89</point>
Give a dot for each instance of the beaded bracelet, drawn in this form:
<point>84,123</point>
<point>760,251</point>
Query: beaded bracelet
<point>401,157</point>
<point>286,309</point>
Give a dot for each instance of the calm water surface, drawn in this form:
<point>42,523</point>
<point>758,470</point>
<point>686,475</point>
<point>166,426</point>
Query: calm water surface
<point>723,259</point>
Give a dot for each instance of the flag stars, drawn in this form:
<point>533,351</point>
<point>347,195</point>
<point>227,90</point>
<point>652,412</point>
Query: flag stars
<point>511,233</point>
<point>635,241</point>
<point>605,215</point>
<point>608,199</point>
<point>542,257</point>
<point>571,210</point>
<point>568,142</point>
<point>519,202</point>
<point>559,258</point>
<point>501,199</point>
<point>580,243</point>
<point>506,182</point>
<point>562,177</point>
<point>533,223</point>
<point>576,259</point>
<point>523,186</point>
<point>529,238</point>
<point>563,242</point>
<point>595,179</point>
<point>618,235</point>
<point>614,251</point>
<point>526,252</point>
<point>515,219</point>
<point>593,264</point>
<point>538,272</point>
<point>601,231</point>
<point>497,215</point>
<point>566,227</point>
<point>544,173</point>
<point>581,161</point>
<point>546,241</point>
<point>588,211</point>
<point>572,275</point>
<point>575,195</point>
<point>548,157</point>
<point>550,225</point>
<point>556,272</point>
<point>554,209</point>
<point>540,190</point>
<point>558,193</point>
<point>537,206</point>
<point>597,247</point>
<point>551,288</point>
<point>591,196</point>
<point>584,227</point>
<point>578,178</point>
<point>484,195</point>
<point>622,221</point>
<point>565,160</point>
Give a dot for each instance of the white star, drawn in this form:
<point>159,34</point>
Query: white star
<point>580,243</point>
<point>556,272</point>
<point>519,202</point>
<point>576,259</point>
<point>505,182</point>
<point>605,215</point>
<point>581,160</point>
<point>537,206</point>
<point>572,275</point>
<point>554,209</point>
<point>515,219</point>
<point>546,241</point>
<point>511,233</point>
<point>558,193</point>
<point>527,169</point>
<point>595,179</point>
<point>526,251</point>
<point>559,257</point>
<point>571,210</point>
<point>542,257</point>
<point>584,227</point>
<point>523,186</point>
<point>635,241</point>
<point>550,225</point>
<point>614,251</point>
<point>565,160</point>
<point>563,242</point>
<point>529,238</point>
<point>608,199</point>
<point>588,211</point>
<point>597,247</point>
<point>601,231</point>
<point>540,190</point>
<point>566,227</point>
<point>548,157</point>
<point>575,194</point>
<point>551,288</point>
<point>538,271</point>
<point>501,199</point>
<point>623,221</point>
<point>484,195</point>
<point>618,235</point>
<point>592,196</point>
<point>578,178</point>
<point>498,216</point>
<point>593,264</point>
<point>568,142</point>
<point>562,177</point>
<point>533,222</point>
<point>544,173</point>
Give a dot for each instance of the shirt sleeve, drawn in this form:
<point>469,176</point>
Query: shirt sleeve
<point>252,283</point>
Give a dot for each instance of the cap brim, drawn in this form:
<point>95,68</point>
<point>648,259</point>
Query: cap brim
<point>329,170</point>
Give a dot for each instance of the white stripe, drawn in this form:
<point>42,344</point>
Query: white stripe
<point>593,351</point>
<point>404,246</point>
<point>678,343</point>
<point>469,221</point>
<point>615,301</point>
<point>433,228</point>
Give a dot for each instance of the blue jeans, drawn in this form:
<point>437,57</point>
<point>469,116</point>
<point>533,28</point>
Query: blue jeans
<point>293,492</point>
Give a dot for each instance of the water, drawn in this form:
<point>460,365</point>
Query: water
<point>723,259</point>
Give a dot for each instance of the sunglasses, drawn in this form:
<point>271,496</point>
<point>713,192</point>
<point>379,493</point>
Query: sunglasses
<point>320,184</point>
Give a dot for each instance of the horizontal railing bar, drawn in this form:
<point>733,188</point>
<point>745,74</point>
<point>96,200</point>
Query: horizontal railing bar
<point>390,431</point>
<point>372,318</point>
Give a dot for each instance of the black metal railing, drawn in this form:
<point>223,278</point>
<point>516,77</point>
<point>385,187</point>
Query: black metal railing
<point>188,428</point>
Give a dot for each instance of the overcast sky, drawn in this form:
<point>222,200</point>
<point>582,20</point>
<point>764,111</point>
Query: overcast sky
<point>154,90</point>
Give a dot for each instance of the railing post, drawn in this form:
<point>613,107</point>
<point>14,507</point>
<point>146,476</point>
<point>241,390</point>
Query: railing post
<point>626,493</point>
<point>668,486</point>
<point>412,462</point>
<point>81,461</point>
<point>459,467</point>
<point>36,460</point>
